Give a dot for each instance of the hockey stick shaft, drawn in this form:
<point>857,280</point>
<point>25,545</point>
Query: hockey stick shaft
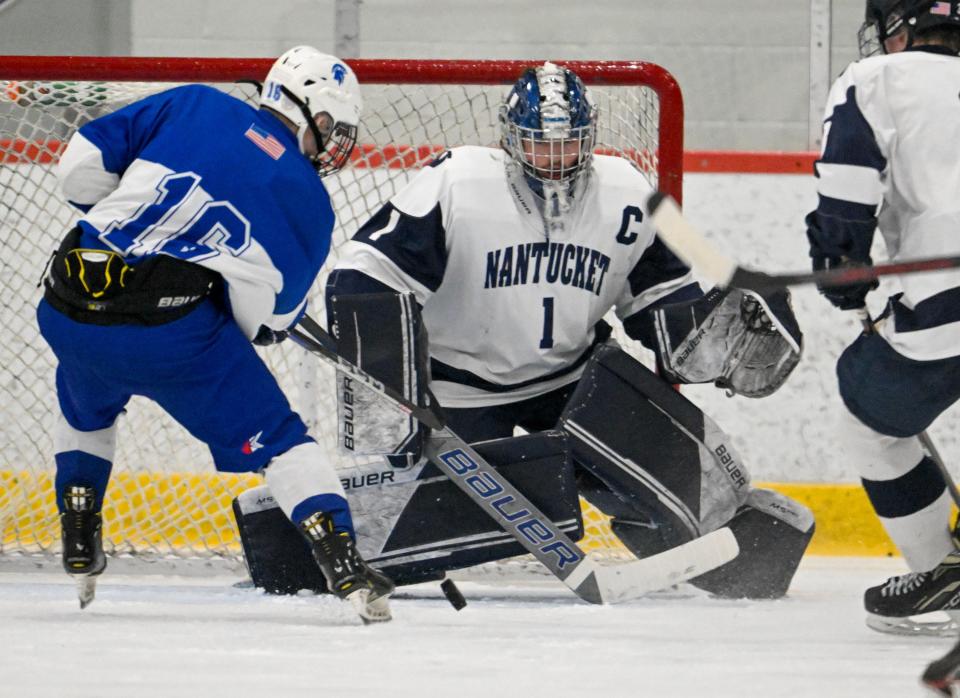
<point>923,437</point>
<point>525,522</point>
<point>318,341</point>
<point>696,251</point>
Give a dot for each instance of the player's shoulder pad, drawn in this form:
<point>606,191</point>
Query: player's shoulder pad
<point>613,171</point>
<point>469,162</point>
<point>452,168</point>
<point>864,80</point>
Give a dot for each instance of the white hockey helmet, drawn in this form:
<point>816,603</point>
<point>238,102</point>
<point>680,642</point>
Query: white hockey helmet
<point>304,82</point>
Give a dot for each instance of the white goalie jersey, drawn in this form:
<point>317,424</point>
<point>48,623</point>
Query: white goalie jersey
<point>510,309</point>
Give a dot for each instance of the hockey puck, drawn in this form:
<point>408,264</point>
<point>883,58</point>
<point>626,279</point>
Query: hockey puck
<point>453,594</point>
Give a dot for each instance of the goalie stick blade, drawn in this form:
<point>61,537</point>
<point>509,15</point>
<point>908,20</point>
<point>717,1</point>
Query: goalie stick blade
<point>631,580</point>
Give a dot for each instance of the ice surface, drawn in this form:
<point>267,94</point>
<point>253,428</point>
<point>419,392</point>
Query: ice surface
<point>165,635</point>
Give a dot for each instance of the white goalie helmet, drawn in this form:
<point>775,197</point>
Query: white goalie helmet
<point>305,82</point>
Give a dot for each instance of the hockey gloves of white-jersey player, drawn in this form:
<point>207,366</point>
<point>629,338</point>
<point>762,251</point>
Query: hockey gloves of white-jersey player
<point>267,336</point>
<point>825,255</point>
<point>850,297</point>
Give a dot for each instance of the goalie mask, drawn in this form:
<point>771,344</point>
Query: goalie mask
<point>303,83</point>
<point>887,18</point>
<point>548,127</point>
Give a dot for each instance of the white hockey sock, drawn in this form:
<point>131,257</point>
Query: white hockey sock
<point>923,537</point>
<point>100,443</point>
<point>300,473</point>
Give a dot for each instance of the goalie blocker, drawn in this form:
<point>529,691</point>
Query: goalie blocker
<point>669,475</point>
<point>383,334</point>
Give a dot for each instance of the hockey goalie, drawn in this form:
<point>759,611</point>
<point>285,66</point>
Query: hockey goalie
<point>483,285</point>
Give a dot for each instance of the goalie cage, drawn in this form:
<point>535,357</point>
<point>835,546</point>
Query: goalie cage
<point>165,500</point>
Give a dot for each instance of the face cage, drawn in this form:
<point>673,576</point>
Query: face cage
<point>336,151</point>
<point>871,36</point>
<point>868,39</point>
<point>584,136</point>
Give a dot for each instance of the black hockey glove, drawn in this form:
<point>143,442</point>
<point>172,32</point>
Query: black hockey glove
<point>849,297</point>
<point>267,336</point>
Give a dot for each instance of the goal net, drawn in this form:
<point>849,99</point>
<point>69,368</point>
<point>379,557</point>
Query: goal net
<point>165,499</point>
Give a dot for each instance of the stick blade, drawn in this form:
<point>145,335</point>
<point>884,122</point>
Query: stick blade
<point>631,580</point>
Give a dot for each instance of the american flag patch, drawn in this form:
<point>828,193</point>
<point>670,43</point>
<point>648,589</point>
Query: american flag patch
<point>941,8</point>
<point>267,143</point>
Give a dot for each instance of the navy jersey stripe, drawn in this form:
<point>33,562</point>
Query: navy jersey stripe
<point>850,140</point>
<point>417,245</point>
<point>446,372</point>
<point>656,265</point>
<point>907,494</point>
<point>937,310</point>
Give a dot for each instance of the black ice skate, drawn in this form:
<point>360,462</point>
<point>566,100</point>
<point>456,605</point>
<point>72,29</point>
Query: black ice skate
<point>915,594</point>
<point>942,675</point>
<point>81,533</point>
<point>347,574</point>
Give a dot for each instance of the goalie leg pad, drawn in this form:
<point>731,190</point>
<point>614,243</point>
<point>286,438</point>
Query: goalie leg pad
<point>414,525</point>
<point>773,532</point>
<point>664,459</point>
<point>383,334</point>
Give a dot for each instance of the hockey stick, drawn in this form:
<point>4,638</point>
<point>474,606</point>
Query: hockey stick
<point>521,519</point>
<point>923,437</point>
<point>696,251</point>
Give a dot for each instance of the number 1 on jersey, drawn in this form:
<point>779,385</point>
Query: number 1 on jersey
<point>546,342</point>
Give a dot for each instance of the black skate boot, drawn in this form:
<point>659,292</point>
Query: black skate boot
<point>917,593</point>
<point>347,574</point>
<point>81,533</point>
<point>942,674</point>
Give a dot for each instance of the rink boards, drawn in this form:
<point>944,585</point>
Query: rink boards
<point>159,512</point>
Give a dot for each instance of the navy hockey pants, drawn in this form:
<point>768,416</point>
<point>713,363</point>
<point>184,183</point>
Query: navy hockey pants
<point>892,394</point>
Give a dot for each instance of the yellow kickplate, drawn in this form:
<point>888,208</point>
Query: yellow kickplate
<point>165,512</point>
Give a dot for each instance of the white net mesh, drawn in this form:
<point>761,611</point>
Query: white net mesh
<point>164,497</point>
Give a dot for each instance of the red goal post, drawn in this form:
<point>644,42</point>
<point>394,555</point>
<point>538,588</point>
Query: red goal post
<point>164,498</point>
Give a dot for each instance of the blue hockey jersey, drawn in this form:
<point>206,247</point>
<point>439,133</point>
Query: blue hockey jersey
<point>197,174</point>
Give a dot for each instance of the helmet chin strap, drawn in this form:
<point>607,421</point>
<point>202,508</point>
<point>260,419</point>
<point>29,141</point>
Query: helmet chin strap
<point>309,123</point>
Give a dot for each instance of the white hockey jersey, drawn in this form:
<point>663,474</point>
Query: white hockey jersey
<point>892,139</point>
<point>510,311</point>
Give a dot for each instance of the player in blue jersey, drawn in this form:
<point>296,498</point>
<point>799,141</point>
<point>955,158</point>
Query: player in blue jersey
<point>515,255</point>
<point>204,225</point>
<point>884,164</point>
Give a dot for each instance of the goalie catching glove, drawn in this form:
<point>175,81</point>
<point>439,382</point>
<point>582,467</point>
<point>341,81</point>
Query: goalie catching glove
<point>741,341</point>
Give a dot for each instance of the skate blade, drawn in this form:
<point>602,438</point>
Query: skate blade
<point>370,611</point>
<point>911,627</point>
<point>86,589</point>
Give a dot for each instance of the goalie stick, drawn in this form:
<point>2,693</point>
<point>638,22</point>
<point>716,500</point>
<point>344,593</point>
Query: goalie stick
<point>696,251</point>
<point>521,519</point>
